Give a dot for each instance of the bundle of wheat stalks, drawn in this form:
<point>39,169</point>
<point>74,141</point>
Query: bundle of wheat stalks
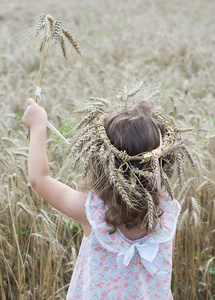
<point>50,32</point>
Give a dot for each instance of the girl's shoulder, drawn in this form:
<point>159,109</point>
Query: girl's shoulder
<point>95,211</point>
<point>168,204</point>
<point>166,227</point>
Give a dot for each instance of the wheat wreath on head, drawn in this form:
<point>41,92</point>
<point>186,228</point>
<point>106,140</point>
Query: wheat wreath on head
<point>49,32</point>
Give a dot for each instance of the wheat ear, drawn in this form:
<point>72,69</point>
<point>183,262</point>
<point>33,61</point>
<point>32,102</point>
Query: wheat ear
<point>150,214</point>
<point>166,182</point>
<point>116,182</point>
<point>71,40</point>
<point>180,169</point>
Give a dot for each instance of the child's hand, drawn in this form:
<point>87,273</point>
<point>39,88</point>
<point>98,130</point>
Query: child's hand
<point>34,115</point>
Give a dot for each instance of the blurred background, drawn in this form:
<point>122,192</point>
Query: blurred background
<point>169,44</point>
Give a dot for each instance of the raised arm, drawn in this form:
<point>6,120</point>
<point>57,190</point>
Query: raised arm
<point>59,195</point>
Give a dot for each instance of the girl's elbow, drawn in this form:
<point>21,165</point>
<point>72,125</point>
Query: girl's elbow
<point>39,184</point>
<point>33,183</point>
<point>36,184</point>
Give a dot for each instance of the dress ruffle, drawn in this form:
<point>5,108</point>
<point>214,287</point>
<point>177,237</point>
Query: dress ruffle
<point>116,242</point>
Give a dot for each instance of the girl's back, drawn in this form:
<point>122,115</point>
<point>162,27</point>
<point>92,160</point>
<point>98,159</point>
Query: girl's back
<point>112,266</point>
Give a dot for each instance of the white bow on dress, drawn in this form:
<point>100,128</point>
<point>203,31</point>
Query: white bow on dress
<point>148,253</point>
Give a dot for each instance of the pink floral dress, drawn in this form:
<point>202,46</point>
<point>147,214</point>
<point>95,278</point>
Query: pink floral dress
<point>110,266</point>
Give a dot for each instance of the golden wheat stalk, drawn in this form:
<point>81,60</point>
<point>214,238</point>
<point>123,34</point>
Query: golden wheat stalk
<point>50,32</point>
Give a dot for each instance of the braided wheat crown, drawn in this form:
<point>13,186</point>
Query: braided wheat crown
<point>92,140</point>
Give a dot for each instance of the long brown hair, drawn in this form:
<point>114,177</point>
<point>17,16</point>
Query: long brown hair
<point>133,129</point>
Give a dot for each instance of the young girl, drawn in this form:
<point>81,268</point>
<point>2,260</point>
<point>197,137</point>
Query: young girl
<point>129,223</point>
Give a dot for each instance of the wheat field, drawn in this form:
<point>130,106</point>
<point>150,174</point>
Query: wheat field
<point>165,43</point>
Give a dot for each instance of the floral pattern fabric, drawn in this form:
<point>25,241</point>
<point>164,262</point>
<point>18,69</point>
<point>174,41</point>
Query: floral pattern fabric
<point>97,275</point>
